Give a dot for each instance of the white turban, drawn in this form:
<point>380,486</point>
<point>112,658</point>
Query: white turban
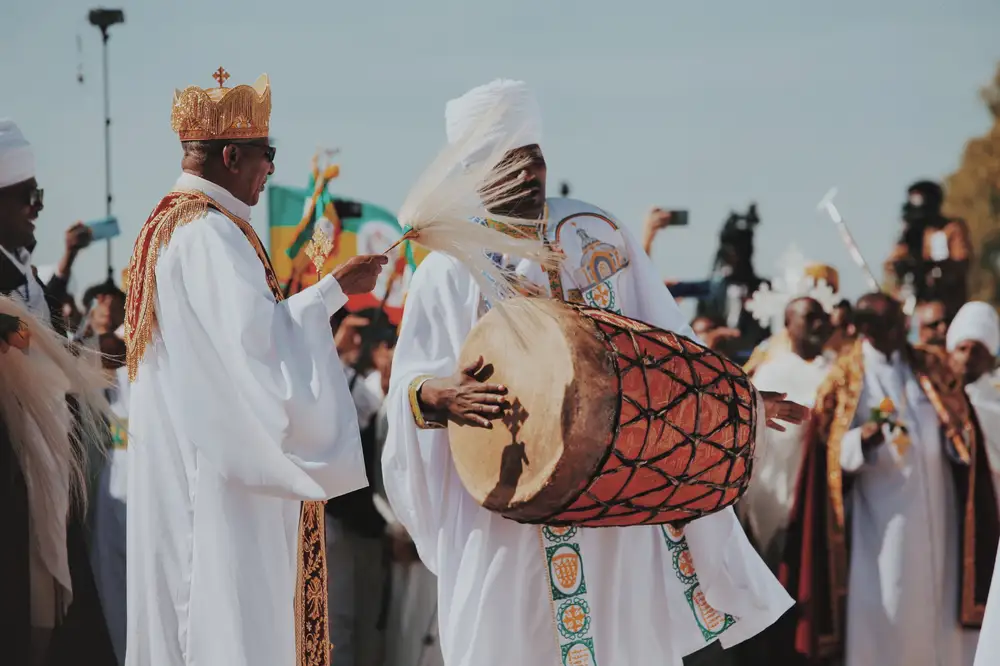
<point>516,121</point>
<point>17,160</point>
<point>975,321</point>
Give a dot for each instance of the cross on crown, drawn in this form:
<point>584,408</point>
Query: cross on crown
<point>221,76</point>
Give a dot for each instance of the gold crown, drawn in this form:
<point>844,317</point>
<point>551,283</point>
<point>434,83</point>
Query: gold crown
<point>204,114</point>
<point>825,273</point>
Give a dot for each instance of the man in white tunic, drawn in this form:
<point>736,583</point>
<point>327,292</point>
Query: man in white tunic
<point>908,479</point>
<point>973,340</point>
<point>798,372</point>
<point>643,604</point>
<point>241,418</point>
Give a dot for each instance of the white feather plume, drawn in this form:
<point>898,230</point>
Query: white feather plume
<point>454,188</point>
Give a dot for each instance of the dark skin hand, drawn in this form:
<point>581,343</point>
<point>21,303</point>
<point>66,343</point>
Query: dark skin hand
<point>871,435</point>
<point>463,397</point>
<point>777,408</point>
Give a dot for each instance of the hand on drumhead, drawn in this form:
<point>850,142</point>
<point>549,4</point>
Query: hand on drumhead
<point>464,398</point>
<point>777,408</point>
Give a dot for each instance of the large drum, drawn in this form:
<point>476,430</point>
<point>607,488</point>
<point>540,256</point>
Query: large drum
<point>611,421</point>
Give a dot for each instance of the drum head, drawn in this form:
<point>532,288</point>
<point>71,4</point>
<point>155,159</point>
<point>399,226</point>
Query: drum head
<point>563,401</point>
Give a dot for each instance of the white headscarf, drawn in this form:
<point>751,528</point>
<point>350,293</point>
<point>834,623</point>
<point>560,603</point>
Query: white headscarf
<point>17,160</point>
<point>975,321</point>
<point>519,124</point>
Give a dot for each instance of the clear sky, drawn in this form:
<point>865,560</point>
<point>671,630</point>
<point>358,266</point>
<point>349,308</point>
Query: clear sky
<point>697,105</point>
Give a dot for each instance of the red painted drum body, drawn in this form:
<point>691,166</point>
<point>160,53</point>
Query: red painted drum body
<point>612,421</point>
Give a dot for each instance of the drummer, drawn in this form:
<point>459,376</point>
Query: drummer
<point>643,596</point>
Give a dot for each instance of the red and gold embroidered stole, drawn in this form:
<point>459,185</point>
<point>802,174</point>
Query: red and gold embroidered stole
<point>815,564</point>
<point>312,641</point>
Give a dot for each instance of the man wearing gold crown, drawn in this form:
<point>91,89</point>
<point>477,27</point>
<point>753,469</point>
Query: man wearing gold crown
<point>241,419</point>
<point>895,528</point>
<point>642,602</point>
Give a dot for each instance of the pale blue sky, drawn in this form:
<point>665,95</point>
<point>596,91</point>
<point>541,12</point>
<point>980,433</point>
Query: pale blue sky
<point>698,105</point>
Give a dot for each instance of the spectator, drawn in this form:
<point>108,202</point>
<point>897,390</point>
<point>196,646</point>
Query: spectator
<point>20,204</point>
<point>105,307</point>
<point>931,319</point>
<point>931,258</point>
<point>842,322</point>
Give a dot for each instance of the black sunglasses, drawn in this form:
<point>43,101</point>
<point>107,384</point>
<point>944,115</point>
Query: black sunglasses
<point>269,151</point>
<point>32,196</point>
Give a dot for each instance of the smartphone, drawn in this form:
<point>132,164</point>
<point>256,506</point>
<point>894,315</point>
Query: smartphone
<point>104,228</point>
<point>678,218</point>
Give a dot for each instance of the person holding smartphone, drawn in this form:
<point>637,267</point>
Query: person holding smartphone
<point>20,204</point>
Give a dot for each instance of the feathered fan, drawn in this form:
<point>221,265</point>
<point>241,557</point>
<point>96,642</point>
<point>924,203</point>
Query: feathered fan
<point>456,187</point>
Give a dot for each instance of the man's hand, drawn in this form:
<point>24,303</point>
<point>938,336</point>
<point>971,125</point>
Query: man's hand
<point>463,398</point>
<point>871,435</point>
<point>358,274</point>
<point>777,408</point>
<point>658,219</point>
<point>348,336</point>
<point>717,337</point>
<point>78,236</point>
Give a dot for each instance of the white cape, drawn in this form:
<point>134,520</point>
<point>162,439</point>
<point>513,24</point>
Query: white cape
<point>492,588</point>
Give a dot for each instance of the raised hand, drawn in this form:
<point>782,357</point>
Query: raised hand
<point>358,274</point>
<point>463,398</point>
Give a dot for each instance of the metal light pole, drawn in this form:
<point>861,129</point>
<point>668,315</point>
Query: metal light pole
<point>104,19</point>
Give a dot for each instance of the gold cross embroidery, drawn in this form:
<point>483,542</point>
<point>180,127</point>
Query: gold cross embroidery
<point>221,76</point>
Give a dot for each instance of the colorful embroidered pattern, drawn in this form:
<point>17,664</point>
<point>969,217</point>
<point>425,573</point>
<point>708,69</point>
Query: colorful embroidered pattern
<point>602,295</point>
<point>711,622</point>
<point>568,593</point>
<point>119,434</point>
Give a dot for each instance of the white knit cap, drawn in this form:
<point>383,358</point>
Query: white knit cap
<point>517,122</point>
<point>17,160</point>
<point>975,321</point>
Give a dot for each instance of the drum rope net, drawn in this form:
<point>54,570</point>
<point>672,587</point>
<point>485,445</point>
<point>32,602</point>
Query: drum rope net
<point>712,377</point>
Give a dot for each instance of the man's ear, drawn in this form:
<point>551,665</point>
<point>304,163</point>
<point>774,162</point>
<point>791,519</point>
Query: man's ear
<point>231,157</point>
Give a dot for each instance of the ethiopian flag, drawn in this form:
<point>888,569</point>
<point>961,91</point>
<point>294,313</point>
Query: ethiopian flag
<point>357,228</point>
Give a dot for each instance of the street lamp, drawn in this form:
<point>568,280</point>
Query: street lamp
<point>104,19</point>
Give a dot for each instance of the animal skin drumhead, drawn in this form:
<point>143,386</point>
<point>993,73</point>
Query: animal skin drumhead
<point>562,407</point>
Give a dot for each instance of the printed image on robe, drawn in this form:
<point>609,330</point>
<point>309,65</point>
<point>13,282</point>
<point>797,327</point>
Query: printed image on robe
<point>355,227</point>
<point>596,257</point>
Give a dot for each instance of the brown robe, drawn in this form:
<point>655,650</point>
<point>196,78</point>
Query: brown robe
<point>814,568</point>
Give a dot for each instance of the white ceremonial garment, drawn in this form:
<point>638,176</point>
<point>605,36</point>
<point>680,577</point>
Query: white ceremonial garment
<point>767,504</point>
<point>240,411</point>
<point>108,535</point>
<point>903,582</point>
<point>985,399</point>
<point>493,602</point>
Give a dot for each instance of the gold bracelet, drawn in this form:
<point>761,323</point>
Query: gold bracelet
<point>422,422</point>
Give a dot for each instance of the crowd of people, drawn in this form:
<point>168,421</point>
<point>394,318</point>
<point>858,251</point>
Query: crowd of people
<point>875,513</point>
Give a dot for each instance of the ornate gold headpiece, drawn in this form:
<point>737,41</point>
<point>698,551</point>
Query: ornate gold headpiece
<point>204,114</point>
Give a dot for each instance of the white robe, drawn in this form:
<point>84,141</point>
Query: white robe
<point>986,400</point>
<point>107,550</point>
<point>903,587</point>
<point>768,501</point>
<point>239,412</point>
<point>493,604</point>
